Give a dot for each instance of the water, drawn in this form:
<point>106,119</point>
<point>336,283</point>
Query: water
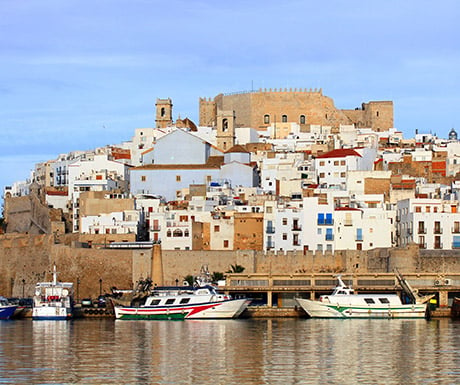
<point>269,351</point>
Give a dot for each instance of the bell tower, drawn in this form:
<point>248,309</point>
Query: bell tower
<point>225,136</point>
<point>163,117</point>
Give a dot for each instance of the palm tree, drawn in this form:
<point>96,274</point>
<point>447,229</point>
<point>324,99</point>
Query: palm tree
<point>236,269</point>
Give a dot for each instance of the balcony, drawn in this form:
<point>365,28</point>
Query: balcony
<point>422,245</point>
<point>456,245</point>
<point>156,228</point>
<point>270,230</point>
<point>297,228</point>
<point>438,230</point>
<point>270,245</point>
<point>456,230</point>
<point>325,222</point>
<point>422,230</point>
<point>438,246</point>
<point>359,238</point>
<point>329,237</point>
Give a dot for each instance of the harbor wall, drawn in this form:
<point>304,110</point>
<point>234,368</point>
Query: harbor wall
<point>26,259</point>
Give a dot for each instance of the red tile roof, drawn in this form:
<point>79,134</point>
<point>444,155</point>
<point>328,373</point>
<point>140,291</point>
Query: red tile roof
<point>339,153</point>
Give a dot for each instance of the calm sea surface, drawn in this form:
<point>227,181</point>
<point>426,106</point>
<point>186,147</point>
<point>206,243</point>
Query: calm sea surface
<point>268,351</point>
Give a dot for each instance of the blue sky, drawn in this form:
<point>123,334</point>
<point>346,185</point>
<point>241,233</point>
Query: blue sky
<point>75,75</point>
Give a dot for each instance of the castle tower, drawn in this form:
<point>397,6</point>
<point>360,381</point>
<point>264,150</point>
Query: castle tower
<point>208,112</point>
<point>163,113</point>
<point>225,136</point>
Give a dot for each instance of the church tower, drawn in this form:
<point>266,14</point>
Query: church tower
<point>225,136</point>
<point>163,113</point>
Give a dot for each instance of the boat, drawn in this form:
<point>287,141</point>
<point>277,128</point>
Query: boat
<point>53,300</point>
<point>6,309</point>
<point>199,301</point>
<point>344,303</point>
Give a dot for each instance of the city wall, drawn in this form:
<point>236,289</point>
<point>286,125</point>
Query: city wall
<point>27,259</point>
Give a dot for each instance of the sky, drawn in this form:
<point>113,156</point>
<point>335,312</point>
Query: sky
<point>80,74</point>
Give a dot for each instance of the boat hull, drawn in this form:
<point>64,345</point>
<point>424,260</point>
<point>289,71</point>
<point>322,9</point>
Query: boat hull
<point>224,309</point>
<point>6,312</point>
<point>316,309</point>
<point>51,313</point>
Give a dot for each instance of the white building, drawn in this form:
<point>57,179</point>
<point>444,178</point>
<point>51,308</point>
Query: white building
<point>431,223</point>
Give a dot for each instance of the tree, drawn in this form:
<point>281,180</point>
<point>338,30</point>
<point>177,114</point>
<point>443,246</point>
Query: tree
<point>236,269</point>
<point>217,276</point>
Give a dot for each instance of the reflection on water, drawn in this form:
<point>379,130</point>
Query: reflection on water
<point>273,351</point>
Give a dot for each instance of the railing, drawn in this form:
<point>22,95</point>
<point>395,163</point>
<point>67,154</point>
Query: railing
<point>456,230</point>
<point>270,230</point>
<point>329,237</point>
<point>438,230</point>
<point>422,245</point>
<point>297,228</point>
<point>422,230</point>
<point>438,245</point>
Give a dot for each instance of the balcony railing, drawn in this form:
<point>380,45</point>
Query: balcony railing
<point>325,222</point>
<point>422,230</point>
<point>270,230</point>
<point>297,228</point>
<point>438,230</point>
<point>456,230</point>
<point>456,245</point>
<point>438,245</point>
<point>329,237</point>
<point>359,238</point>
<point>422,245</point>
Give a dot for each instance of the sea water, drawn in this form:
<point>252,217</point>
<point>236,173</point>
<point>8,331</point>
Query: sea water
<point>246,351</point>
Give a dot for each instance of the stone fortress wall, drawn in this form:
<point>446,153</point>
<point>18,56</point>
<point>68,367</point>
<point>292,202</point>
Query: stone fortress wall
<point>318,109</point>
<point>27,259</point>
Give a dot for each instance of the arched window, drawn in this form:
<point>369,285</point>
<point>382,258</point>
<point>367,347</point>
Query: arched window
<point>168,233</point>
<point>302,119</point>
<point>225,125</point>
<point>163,111</point>
<point>186,233</point>
<point>284,118</point>
<point>177,233</point>
<point>266,119</point>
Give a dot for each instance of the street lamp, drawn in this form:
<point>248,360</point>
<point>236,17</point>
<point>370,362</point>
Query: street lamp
<point>100,286</point>
<point>23,287</point>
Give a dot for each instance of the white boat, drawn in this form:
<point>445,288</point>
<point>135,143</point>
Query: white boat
<point>179,303</point>
<point>53,300</point>
<point>343,303</point>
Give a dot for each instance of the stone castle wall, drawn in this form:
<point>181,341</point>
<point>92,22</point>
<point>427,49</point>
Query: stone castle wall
<point>27,259</point>
<point>250,108</point>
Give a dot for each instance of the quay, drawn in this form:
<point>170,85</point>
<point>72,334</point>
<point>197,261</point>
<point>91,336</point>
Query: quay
<point>274,295</point>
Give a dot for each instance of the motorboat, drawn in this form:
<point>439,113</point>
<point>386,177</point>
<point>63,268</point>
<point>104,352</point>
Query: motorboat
<point>53,300</point>
<point>198,301</point>
<point>344,303</point>
<point>6,309</point>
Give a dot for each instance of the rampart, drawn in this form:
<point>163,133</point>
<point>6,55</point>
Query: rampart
<point>27,259</point>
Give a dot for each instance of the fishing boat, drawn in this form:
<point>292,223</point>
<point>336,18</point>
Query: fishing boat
<point>6,309</point>
<point>53,300</point>
<point>344,303</point>
<point>181,302</point>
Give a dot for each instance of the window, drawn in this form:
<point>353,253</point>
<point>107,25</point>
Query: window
<point>329,235</point>
<point>369,301</point>
<point>284,118</point>
<point>302,119</point>
<point>143,178</point>
<point>163,112</point>
<point>170,301</point>
<point>177,178</point>
<point>384,300</point>
<point>269,210</point>
<point>284,237</point>
<point>216,228</point>
<point>266,119</point>
<point>418,209</point>
<point>322,163</point>
<point>427,209</point>
<point>226,243</point>
<point>185,300</point>
<point>155,302</point>
<point>322,175</point>
<point>329,220</point>
<point>284,221</point>
<point>321,219</point>
<point>359,234</point>
<point>336,162</point>
<point>342,163</point>
<point>177,233</point>
<point>224,124</point>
